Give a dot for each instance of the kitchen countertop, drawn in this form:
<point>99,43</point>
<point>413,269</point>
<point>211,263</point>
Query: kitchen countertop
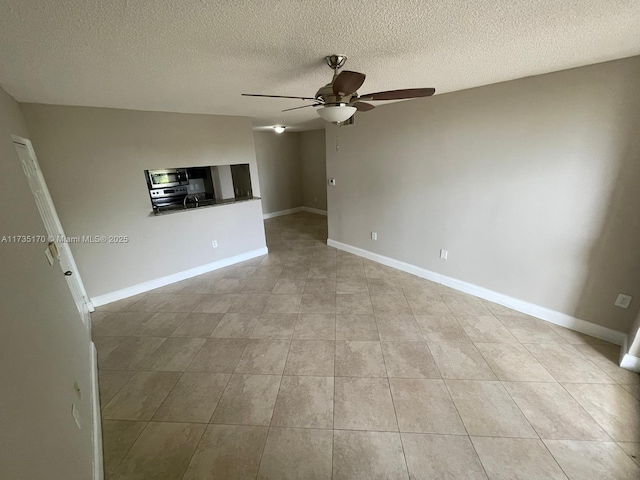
<point>202,204</point>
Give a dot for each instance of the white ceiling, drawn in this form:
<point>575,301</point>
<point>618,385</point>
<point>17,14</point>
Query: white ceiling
<point>198,55</point>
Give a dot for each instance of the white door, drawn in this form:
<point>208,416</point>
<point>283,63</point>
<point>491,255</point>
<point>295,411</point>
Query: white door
<point>52,224</point>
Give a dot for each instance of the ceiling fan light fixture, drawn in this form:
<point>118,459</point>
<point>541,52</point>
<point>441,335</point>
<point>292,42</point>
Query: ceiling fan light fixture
<point>336,113</point>
<point>279,128</point>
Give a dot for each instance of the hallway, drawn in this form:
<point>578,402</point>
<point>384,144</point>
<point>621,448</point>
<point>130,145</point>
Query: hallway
<point>310,362</point>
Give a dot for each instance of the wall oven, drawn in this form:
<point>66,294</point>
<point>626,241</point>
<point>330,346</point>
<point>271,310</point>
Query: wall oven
<point>170,177</point>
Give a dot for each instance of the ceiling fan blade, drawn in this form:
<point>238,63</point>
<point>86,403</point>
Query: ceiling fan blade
<point>399,94</point>
<point>348,82</point>
<point>304,106</point>
<point>363,106</point>
<point>277,96</point>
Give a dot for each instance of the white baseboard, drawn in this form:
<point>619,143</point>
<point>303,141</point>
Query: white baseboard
<point>552,316</point>
<point>315,210</point>
<point>176,277</point>
<point>98,461</point>
<point>282,212</point>
<point>630,362</point>
<point>294,210</point>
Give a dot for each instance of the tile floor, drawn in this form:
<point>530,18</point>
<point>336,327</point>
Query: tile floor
<point>314,363</point>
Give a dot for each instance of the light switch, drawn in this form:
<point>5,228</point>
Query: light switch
<point>623,301</point>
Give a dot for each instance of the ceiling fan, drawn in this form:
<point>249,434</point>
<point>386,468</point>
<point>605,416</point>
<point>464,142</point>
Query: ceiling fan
<point>339,99</point>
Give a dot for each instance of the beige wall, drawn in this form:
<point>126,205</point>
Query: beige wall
<point>93,160</point>
<point>633,340</point>
<point>314,169</point>
<point>44,348</point>
<point>532,186</point>
<point>278,157</point>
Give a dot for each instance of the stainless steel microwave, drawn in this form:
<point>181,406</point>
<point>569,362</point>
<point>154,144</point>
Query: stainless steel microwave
<point>170,177</point>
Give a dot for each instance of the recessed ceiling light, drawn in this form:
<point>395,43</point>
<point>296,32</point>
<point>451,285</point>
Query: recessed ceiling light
<point>279,128</point>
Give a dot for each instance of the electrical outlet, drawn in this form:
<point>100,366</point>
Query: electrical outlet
<point>623,301</point>
<point>374,236</point>
<point>444,254</point>
<point>214,243</point>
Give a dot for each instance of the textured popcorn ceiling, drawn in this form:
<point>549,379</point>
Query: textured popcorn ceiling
<point>198,55</point>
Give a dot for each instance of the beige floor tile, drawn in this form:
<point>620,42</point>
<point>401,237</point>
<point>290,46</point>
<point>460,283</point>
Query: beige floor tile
<point>633,390</point>
<point>183,302</point>
<point>487,409</point>
<point>255,285</point>
<point>293,453</point>
<point>485,329</point>
<point>240,271</point>
<point>248,400</point>
<point>553,413</point>
<point>315,326</point>
<point>311,357</point>
<point>516,458</point>
<point>151,302</point>
<point>175,354</point>
<point>368,455</point>
<point>390,303</point>
<point>199,325</point>
<point>377,270</point>
<point>576,338</point>
<point>593,460</point>
<point>267,271</point>
<point>228,285</point>
<point>363,404</point>
<point>160,324</point>
<point>424,406</point>
<point>218,355</point>
<point>385,284</point>
<point>318,303</point>
<point>356,327</point>
<point>193,398</point>
<point>121,305</point>
<point>631,449</point>
<point>290,271</point>
<point>216,303</point>
<point>228,452</point>
<point>344,271</point>
<point>412,285</point>
<point>305,402</point>
<point>442,457</point>
<point>460,361</point>
<point>567,364</point>
<point>352,285</point>
<point>612,407</point>
<point>323,286</point>
<point>398,327</point>
<point>264,357</point>
<point>606,358</point>
<point>283,303</point>
<point>106,345</point>
<point>513,362</point>
<point>131,353</point>
<point>117,438</point>
<point>409,360</point>
<point>427,304</point>
<point>359,359</point>
<point>290,285</point>
<point>441,328</point>
<point>120,323</point>
<point>249,303</point>
<point>163,450</point>
<point>354,305</point>
<point>531,330</point>
<point>462,304</point>
<point>236,325</point>
<point>496,309</point>
<point>275,326</point>
<point>324,271</point>
<point>110,382</point>
<point>141,396</point>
